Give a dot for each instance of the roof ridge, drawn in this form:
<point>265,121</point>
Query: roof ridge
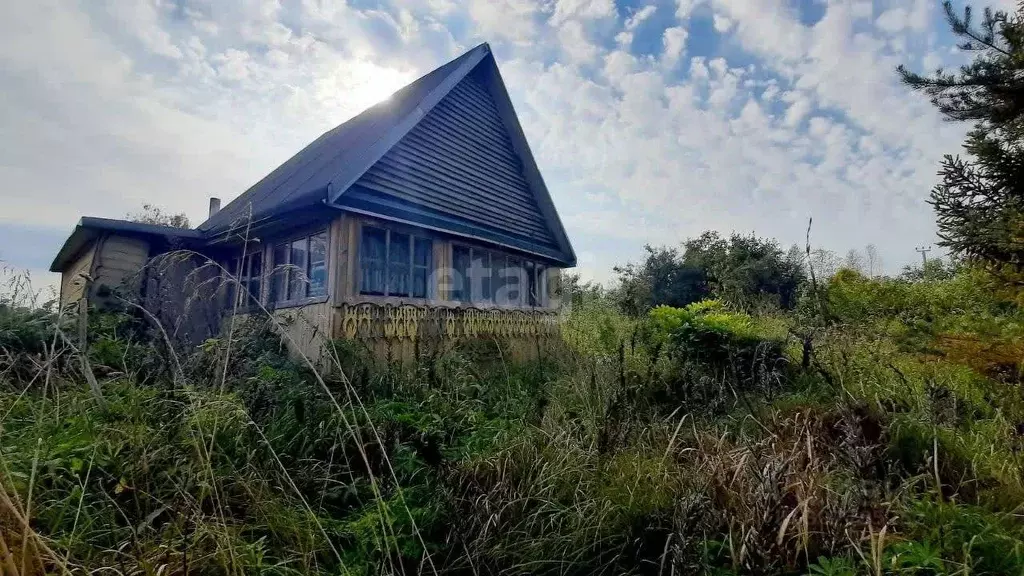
<point>305,176</point>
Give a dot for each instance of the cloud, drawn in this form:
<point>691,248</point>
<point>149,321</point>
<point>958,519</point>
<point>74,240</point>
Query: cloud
<point>674,42</point>
<point>573,37</point>
<point>582,10</point>
<point>722,23</point>
<point>644,132</point>
<point>686,7</point>
<point>625,38</point>
<point>512,20</point>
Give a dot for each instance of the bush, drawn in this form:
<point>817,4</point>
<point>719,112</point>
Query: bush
<point>705,338</point>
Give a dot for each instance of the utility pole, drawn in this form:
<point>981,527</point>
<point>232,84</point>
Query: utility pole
<point>924,250</point>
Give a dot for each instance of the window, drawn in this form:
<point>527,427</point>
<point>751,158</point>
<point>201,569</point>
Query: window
<point>394,263</point>
<point>300,269</point>
<point>482,276</point>
<point>513,274</point>
<point>249,276</point>
<point>422,258</point>
<point>535,278</point>
<point>460,267</point>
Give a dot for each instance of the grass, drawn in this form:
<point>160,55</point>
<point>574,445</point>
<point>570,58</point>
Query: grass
<point>701,445</point>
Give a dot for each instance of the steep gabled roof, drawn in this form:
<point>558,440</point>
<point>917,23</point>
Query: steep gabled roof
<point>332,166</point>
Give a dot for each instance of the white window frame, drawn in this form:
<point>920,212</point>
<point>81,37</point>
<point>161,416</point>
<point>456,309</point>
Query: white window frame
<point>539,270</point>
<point>287,270</point>
<point>412,266</point>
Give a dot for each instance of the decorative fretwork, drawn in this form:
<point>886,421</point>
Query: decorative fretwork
<point>415,322</point>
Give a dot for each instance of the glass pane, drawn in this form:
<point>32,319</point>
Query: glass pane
<point>532,294</point>
<point>422,252</point>
<point>371,260</point>
<point>513,281</point>
<point>253,291</point>
<point>460,274</point>
<point>255,269</point>
<point>422,256</point>
<point>480,276</point>
<point>297,280</point>
<point>398,265</point>
<point>230,282</point>
<point>419,282</point>
<point>498,279</point>
<point>279,275</point>
<point>317,271</point>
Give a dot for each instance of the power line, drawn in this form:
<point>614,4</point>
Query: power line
<point>924,250</point>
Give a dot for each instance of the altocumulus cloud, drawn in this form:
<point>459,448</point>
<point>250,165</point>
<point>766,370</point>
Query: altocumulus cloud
<point>651,121</point>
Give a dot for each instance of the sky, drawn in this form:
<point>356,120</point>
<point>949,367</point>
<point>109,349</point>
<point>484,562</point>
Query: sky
<point>651,120</point>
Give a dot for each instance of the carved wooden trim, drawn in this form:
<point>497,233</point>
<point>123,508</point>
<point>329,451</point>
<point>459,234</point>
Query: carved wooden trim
<point>406,322</point>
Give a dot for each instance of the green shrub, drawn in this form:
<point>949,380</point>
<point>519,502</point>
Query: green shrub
<point>711,346</point>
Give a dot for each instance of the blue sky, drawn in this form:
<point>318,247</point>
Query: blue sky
<point>651,120</point>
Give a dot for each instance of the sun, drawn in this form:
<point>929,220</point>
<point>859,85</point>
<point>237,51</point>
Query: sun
<point>366,83</point>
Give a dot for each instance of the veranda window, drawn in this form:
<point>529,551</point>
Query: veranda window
<point>484,276</point>
<point>300,269</point>
<point>394,263</point>
<point>249,277</point>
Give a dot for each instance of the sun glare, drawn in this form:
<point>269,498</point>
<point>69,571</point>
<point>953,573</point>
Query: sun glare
<point>368,84</point>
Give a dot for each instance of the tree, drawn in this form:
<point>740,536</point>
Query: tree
<point>854,261</point>
<point>662,278</point>
<point>746,271</point>
<point>577,291</point>
<point>979,201</point>
<point>874,260</point>
<point>153,215</point>
<point>825,262</point>
<point>933,269</point>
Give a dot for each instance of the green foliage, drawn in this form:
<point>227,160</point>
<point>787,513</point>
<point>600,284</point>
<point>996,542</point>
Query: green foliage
<point>747,272</point>
<point>683,441</point>
<point>854,298</point>
<point>731,346</point>
<point>979,201</point>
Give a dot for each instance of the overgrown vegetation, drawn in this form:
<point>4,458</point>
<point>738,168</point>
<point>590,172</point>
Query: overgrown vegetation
<point>683,440</point>
<point>729,408</point>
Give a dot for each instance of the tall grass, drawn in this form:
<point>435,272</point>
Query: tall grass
<point>698,446</point>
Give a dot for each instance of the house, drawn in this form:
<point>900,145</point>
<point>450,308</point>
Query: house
<point>422,219</point>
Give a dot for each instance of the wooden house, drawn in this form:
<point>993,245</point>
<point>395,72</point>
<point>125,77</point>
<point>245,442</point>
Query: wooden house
<point>424,219</point>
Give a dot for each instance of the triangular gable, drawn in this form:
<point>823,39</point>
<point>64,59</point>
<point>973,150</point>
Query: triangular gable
<point>459,163</point>
<point>304,179</point>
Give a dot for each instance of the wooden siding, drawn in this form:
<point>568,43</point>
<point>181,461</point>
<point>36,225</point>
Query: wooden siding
<point>306,330</point>
<point>72,285</point>
<point>460,162</point>
<point>119,261</point>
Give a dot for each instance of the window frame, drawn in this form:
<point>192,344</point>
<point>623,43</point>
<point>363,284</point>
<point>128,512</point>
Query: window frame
<point>538,268</point>
<point>273,275</point>
<point>239,275</point>
<point>411,266</point>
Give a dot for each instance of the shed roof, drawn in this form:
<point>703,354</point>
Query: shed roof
<point>89,228</point>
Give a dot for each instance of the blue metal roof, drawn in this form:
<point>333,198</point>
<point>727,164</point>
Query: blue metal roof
<point>459,162</point>
<point>304,178</point>
<point>445,152</point>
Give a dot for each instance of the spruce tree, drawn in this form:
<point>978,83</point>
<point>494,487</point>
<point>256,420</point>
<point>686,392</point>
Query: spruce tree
<point>979,201</point>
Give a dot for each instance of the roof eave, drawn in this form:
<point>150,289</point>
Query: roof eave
<point>89,228</point>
